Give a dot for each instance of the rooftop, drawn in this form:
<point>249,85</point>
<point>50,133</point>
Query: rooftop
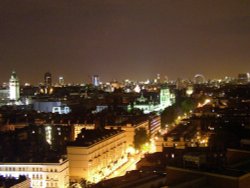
<point>90,137</point>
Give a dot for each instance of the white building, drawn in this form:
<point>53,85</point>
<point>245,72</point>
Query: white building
<point>14,87</point>
<point>41,175</point>
<point>96,154</point>
<point>166,99</point>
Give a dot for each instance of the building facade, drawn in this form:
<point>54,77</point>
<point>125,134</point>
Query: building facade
<point>41,175</point>
<point>166,99</point>
<point>130,129</point>
<point>14,87</point>
<point>96,154</point>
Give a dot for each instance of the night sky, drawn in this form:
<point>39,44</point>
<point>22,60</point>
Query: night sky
<point>119,39</point>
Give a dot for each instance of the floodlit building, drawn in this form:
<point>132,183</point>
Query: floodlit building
<point>41,175</point>
<point>61,109</point>
<point>14,87</point>
<point>95,80</point>
<point>166,99</point>
<point>96,153</point>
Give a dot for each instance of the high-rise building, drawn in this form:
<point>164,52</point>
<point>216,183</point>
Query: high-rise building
<point>61,81</point>
<point>14,87</point>
<point>95,80</point>
<point>47,79</point>
<point>158,78</point>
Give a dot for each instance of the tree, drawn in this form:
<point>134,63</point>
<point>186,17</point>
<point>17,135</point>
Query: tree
<point>169,115</point>
<point>141,137</point>
<point>187,104</point>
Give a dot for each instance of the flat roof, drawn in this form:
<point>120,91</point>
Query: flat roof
<point>90,137</point>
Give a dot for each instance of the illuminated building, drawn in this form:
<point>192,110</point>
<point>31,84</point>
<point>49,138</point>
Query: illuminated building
<point>137,89</point>
<point>46,90</point>
<point>95,80</point>
<point>166,99</point>
<point>130,129</point>
<point>61,81</point>
<point>47,79</point>
<point>61,109</point>
<point>14,87</point>
<point>96,153</point>
<point>44,174</point>
<point>47,87</point>
<point>51,106</point>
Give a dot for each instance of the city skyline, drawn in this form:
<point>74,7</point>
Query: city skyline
<point>125,39</point>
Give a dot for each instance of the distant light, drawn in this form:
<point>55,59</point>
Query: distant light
<point>137,89</point>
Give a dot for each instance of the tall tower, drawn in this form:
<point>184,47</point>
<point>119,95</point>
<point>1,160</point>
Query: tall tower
<point>47,79</point>
<point>14,87</point>
<point>95,80</point>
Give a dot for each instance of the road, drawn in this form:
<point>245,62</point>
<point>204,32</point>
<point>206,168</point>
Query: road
<point>129,165</point>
